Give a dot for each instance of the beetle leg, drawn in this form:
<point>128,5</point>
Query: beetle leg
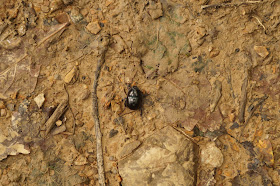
<point>125,102</point>
<point>132,84</point>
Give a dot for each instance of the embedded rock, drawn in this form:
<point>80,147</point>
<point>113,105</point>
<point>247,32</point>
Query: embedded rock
<point>165,158</point>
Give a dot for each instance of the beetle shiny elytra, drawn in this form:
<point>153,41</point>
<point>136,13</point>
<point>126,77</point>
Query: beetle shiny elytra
<point>134,98</point>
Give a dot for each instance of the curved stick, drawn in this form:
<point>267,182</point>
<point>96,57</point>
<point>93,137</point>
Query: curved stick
<point>104,41</point>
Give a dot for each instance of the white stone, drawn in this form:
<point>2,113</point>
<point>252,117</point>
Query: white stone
<point>211,155</point>
<point>40,100</point>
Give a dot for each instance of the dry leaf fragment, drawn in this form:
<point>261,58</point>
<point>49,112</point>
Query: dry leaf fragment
<point>264,147</point>
<point>69,76</point>
<point>11,147</point>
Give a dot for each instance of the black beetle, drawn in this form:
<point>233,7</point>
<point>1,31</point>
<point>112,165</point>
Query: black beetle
<point>134,98</point>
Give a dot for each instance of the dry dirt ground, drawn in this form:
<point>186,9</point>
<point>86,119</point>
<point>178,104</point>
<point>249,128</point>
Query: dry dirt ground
<point>209,70</point>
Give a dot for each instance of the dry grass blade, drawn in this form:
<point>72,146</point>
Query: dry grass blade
<point>229,4</point>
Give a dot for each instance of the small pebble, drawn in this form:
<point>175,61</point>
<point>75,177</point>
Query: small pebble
<point>58,123</point>
<point>40,99</point>
<point>58,130</point>
<point>55,5</point>
<point>231,117</point>
<point>45,9</point>
<point>214,53</point>
<point>75,15</point>
<point>3,113</point>
<point>2,105</point>
<point>201,31</point>
<point>27,139</point>
<point>79,123</point>
<point>84,12</point>
<point>57,77</point>
<point>91,159</point>
<point>261,51</point>
<point>92,182</point>
<point>62,18</point>
<point>52,172</point>
<point>14,95</point>
<point>21,29</point>
<point>11,106</point>
<point>93,27</point>
<point>112,133</point>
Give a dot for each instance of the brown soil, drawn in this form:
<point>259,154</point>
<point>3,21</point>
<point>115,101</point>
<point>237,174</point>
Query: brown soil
<point>210,69</point>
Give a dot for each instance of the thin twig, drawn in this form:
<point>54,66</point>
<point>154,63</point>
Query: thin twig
<point>62,107</point>
<point>182,132</point>
<point>104,42</point>
<point>229,4</point>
